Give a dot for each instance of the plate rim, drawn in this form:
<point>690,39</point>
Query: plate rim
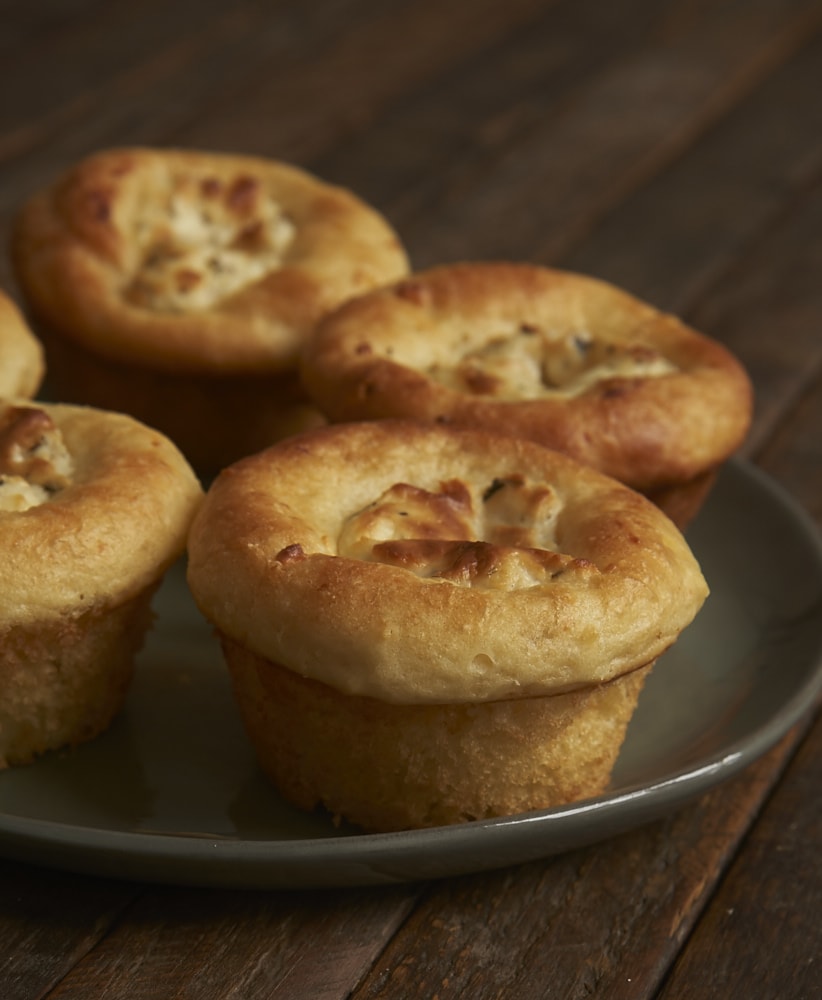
<point>305,862</point>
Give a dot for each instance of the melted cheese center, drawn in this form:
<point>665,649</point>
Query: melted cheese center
<point>503,539</point>
<point>34,461</point>
<point>210,240</point>
<point>531,363</point>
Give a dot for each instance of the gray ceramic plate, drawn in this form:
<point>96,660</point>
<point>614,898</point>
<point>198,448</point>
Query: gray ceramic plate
<point>172,794</point>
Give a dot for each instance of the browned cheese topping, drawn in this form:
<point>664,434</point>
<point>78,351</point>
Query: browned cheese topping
<point>210,239</point>
<point>501,539</point>
<point>34,461</point>
<point>533,362</point>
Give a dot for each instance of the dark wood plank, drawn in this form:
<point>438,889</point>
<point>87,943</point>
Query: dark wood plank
<point>342,88</point>
<point>65,71</point>
<point>762,933</point>
<point>32,23</point>
<point>48,922</point>
<point>601,922</point>
<point>222,78</point>
<point>688,225</point>
<point>546,185</point>
<point>793,454</point>
<point>465,119</point>
<point>152,91</point>
<point>730,237</point>
<point>223,83</point>
<point>767,309</point>
<point>156,66</point>
<point>214,945</point>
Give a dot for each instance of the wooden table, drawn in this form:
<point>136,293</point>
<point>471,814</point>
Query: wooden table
<point>674,148</point>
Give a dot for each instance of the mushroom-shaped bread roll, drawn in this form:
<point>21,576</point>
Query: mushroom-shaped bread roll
<point>427,625</point>
<point>179,286</point>
<point>94,507</point>
<point>562,359</point>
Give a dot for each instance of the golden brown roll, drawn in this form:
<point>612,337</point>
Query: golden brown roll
<point>94,507</point>
<point>426,625</point>
<point>21,355</point>
<point>179,286</point>
<point>562,359</point>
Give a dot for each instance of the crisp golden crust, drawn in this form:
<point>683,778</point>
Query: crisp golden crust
<point>413,564</point>
<point>108,503</point>
<point>196,262</point>
<point>568,361</point>
<point>34,461</point>
<point>21,356</point>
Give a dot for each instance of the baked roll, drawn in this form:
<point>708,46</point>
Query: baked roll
<point>179,285</point>
<point>93,509</point>
<point>427,625</point>
<point>21,356</point>
<point>562,359</point>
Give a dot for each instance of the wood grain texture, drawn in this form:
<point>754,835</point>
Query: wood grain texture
<point>48,922</point>
<point>594,923</point>
<point>674,148</point>
<point>221,944</point>
<point>721,196</point>
<point>548,185</point>
<point>85,69</point>
<point>761,935</point>
<point>358,76</point>
<point>765,310</point>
